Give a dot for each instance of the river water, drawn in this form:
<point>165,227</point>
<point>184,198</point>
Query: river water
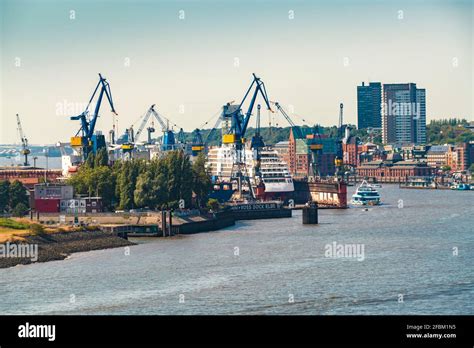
<point>278,266</point>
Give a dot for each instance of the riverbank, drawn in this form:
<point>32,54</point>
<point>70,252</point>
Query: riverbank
<point>58,246</point>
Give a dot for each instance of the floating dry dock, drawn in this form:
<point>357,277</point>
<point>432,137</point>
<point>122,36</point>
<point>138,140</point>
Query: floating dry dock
<point>327,193</point>
<point>259,210</point>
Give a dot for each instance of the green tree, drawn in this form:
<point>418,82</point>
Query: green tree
<point>4,195</point>
<point>213,204</point>
<point>17,194</point>
<point>126,181</point>
<point>179,178</point>
<point>101,158</point>
<point>144,194</point>
<point>201,180</point>
<point>90,161</point>
<point>20,210</point>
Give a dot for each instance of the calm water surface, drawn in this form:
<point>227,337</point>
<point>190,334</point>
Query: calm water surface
<point>408,251</point>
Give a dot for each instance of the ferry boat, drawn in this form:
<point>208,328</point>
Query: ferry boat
<point>269,176</point>
<point>365,195</point>
<point>460,187</point>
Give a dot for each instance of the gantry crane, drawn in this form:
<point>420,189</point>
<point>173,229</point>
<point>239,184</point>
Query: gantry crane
<point>86,140</point>
<point>25,151</point>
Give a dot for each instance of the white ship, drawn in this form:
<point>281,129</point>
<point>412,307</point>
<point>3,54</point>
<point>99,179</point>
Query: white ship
<point>274,173</point>
<point>366,194</point>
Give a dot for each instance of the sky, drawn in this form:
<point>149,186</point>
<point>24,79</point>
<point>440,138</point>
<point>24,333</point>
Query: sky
<point>191,57</point>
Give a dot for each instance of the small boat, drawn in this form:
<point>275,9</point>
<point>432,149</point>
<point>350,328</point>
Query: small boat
<point>375,185</point>
<point>366,194</point>
<point>460,187</point>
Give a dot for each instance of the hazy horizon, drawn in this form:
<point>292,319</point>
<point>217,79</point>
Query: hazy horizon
<point>311,55</point>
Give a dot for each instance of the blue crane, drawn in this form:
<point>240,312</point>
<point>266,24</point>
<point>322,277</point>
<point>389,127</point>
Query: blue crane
<point>168,141</point>
<point>88,141</point>
<point>239,122</point>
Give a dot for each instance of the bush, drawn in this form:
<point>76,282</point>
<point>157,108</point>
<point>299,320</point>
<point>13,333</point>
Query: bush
<point>213,204</point>
<point>20,210</point>
<point>37,229</point>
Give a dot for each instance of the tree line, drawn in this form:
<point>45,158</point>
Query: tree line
<point>13,198</point>
<point>130,184</point>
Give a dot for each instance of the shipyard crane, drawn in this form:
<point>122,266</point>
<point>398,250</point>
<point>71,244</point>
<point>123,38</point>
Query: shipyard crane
<point>340,133</point>
<point>239,122</point>
<point>257,140</point>
<point>316,148</point>
<point>86,140</point>
<point>168,139</point>
<point>235,135</point>
<point>290,121</point>
<point>181,137</point>
<point>150,129</point>
<point>25,151</point>
<point>200,144</point>
<point>197,145</point>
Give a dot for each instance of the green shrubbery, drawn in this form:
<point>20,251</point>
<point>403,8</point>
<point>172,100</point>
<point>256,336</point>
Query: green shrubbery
<point>9,223</point>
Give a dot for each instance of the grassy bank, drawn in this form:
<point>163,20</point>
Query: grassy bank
<point>53,243</point>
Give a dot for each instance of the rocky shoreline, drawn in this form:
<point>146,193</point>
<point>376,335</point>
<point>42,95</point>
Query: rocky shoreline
<point>58,246</point>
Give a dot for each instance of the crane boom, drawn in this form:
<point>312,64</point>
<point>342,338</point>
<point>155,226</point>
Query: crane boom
<point>24,141</point>
<point>144,121</point>
<point>239,122</point>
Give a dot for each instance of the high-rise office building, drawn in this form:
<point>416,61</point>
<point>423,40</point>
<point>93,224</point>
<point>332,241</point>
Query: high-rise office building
<point>403,114</point>
<point>369,98</point>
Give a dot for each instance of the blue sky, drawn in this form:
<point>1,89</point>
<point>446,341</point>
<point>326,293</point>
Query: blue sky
<point>187,66</point>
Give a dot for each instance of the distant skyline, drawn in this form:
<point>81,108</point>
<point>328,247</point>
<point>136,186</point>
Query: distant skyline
<point>191,57</point>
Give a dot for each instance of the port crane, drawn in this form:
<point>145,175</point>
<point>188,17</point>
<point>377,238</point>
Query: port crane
<point>25,151</point>
<point>339,151</point>
<point>168,139</point>
<point>290,121</point>
<point>86,140</point>
<point>199,144</point>
<point>239,122</point>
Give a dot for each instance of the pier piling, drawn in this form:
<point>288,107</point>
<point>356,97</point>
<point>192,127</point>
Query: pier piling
<point>310,213</point>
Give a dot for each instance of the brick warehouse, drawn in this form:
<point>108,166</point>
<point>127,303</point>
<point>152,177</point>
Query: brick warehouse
<point>302,142</point>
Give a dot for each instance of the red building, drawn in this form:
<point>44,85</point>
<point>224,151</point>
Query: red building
<point>350,150</point>
<point>306,147</point>
<point>394,171</point>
